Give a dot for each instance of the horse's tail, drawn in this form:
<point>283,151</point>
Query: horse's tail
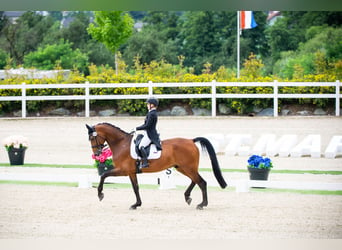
<point>206,145</point>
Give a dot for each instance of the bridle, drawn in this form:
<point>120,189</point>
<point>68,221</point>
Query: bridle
<point>99,146</point>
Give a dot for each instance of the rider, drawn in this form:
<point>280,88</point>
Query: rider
<point>150,131</point>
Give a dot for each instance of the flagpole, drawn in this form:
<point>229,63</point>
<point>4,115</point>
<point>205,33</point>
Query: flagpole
<point>238,44</point>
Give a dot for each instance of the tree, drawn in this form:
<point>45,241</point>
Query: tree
<point>290,32</point>
<point>99,54</point>
<point>76,32</point>
<point>163,22</point>
<point>315,56</point>
<point>25,35</point>
<point>200,38</point>
<point>3,58</point>
<point>156,41</point>
<point>211,36</point>
<point>3,20</point>
<point>57,54</point>
<point>112,28</point>
<point>281,38</point>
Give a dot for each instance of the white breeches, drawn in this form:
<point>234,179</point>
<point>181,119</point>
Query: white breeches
<point>145,141</point>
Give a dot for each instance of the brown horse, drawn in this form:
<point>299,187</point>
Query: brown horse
<point>179,153</point>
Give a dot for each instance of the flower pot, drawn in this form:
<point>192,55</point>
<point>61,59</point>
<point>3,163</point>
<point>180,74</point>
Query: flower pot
<point>258,173</point>
<point>16,156</point>
<point>103,167</point>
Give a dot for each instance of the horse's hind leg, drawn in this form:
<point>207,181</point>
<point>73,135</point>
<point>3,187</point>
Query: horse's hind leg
<point>135,186</point>
<point>188,192</point>
<point>195,179</point>
<point>203,186</point>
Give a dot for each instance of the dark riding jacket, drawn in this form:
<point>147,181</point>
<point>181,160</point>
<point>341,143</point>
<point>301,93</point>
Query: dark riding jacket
<point>150,127</point>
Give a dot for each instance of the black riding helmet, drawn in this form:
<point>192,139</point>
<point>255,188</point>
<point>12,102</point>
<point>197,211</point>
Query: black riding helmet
<point>153,101</point>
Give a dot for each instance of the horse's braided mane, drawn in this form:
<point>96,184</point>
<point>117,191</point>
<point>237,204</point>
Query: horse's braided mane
<point>109,124</point>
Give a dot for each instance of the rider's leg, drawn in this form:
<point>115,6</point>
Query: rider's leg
<point>144,162</point>
<point>142,146</point>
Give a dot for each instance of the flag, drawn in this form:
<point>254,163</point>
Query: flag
<point>247,20</point>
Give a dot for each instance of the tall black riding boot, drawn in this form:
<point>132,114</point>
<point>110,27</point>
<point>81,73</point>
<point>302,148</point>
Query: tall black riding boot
<point>144,162</point>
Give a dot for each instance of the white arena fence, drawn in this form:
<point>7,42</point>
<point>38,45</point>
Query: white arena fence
<point>150,85</point>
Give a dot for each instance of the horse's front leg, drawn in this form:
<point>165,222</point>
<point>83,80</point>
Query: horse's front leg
<point>113,172</point>
<point>134,181</point>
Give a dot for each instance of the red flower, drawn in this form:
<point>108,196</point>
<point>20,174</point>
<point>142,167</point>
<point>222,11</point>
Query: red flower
<point>106,153</point>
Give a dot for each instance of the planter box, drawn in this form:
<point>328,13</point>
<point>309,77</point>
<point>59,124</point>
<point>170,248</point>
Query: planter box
<point>102,167</point>
<point>260,174</point>
<point>16,156</point>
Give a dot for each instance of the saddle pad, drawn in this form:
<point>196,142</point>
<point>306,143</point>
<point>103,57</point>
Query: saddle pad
<point>154,153</point>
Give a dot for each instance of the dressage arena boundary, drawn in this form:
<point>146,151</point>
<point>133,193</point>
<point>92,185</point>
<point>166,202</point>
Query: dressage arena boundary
<point>168,179</point>
<point>150,85</point>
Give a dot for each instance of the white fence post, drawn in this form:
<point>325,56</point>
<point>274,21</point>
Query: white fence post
<point>150,89</point>
<point>23,100</point>
<point>337,102</point>
<point>87,102</point>
<point>275,98</point>
<point>213,98</point>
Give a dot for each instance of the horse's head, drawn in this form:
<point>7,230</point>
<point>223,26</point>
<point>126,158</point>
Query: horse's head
<point>97,141</point>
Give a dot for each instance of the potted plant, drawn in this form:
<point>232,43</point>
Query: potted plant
<point>259,167</point>
<point>16,146</point>
<point>104,161</point>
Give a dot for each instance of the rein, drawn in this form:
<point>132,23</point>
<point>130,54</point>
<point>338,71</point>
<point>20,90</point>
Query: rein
<point>98,146</point>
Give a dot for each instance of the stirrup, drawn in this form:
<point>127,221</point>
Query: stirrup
<point>143,164</point>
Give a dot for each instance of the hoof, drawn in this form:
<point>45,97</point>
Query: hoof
<point>201,205</point>
<point>101,196</point>
<point>134,206</point>
<point>188,200</point>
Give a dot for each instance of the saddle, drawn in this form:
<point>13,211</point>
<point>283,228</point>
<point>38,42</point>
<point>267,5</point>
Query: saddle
<point>151,149</point>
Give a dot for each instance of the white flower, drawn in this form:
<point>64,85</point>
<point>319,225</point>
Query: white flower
<point>15,141</point>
